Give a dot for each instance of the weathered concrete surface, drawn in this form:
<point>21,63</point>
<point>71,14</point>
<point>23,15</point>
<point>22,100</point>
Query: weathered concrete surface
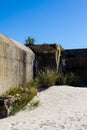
<point>76,61</point>
<point>16,64</point>
<point>45,56</point>
<point>72,60</point>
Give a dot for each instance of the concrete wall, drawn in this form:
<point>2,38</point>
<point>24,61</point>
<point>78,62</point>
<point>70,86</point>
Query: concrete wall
<point>45,56</point>
<point>16,64</point>
<point>76,61</point>
<point>46,60</point>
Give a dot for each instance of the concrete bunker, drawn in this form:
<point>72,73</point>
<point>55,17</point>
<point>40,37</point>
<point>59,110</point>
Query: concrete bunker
<point>16,64</point>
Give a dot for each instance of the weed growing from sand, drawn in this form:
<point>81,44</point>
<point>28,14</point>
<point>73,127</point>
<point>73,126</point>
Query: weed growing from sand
<point>69,79</point>
<point>46,78</point>
<point>19,97</point>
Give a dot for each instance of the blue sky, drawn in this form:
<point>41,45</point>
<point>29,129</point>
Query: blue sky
<point>49,21</point>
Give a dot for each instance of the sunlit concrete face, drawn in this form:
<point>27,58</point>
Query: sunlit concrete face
<point>16,64</point>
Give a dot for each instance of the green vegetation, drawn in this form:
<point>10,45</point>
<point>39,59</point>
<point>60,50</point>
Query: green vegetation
<point>14,90</point>
<point>69,79</point>
<point>20,97</point>
<point>26,96</point>
<point>30,40</point>
<point>49,78</point>
<point>32,104</point>
<point>46,78</point>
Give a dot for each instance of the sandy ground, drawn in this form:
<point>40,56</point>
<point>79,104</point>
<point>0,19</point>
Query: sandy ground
<point>61,108</point>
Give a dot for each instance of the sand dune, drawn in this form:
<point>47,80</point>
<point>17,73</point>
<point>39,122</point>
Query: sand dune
<point>61,108</point>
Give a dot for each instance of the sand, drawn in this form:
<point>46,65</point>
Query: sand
<point>60,108</point>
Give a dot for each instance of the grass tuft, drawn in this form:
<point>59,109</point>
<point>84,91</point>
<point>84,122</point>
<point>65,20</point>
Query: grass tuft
<point>46,78</point>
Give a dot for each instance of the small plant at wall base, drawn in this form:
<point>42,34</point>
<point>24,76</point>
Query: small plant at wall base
<point>69,79</point>
<point>25,97</point>
<point>46,78</point>
<point>17,98</point>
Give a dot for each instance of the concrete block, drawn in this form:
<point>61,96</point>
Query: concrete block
<point>16,64</point>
